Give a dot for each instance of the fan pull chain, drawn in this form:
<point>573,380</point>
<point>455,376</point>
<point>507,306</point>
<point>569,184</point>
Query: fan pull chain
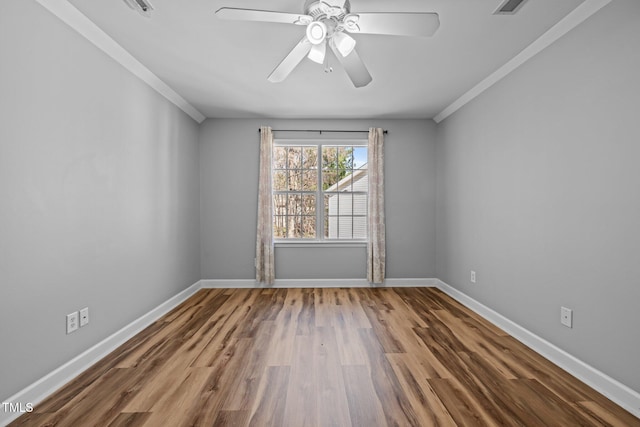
<point>327,68</point>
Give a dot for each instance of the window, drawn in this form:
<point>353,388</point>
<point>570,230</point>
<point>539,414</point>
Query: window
<point>320,191</point>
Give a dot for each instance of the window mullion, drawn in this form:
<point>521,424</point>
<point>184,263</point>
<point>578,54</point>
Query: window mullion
<point>319,197</point>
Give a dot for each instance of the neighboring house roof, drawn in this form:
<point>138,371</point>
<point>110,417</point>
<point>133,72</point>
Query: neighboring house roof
<point>343,184</point>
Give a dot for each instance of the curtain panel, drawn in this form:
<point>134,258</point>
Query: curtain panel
<point>265,266</point>
<point>376,245</point>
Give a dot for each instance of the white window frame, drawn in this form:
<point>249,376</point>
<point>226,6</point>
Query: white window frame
<point>319,193</point>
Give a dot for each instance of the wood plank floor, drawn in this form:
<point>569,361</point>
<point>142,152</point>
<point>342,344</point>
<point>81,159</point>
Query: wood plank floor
<point>324,357</point>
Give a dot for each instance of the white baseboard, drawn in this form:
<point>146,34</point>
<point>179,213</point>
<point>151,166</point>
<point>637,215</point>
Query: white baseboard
<point>39,390</point>
<point>614,390</point>
<point>411,283</point>
<point>228,283</point>
<point>317,283</point>
<point>624,396</point>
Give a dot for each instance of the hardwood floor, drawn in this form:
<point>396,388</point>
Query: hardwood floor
<point>324,357</point>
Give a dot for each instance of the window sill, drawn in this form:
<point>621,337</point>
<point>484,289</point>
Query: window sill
<point>321,244</point>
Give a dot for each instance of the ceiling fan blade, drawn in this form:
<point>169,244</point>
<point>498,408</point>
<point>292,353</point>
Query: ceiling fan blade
<point>262,16</point>
<point>353,65</point>
<point>291,61</point>
<point>395,24</point>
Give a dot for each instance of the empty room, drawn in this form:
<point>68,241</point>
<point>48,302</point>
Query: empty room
<point>319,213</point>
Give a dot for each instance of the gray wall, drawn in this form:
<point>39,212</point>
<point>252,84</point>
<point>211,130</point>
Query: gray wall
<point>229,176</point>
<point>539,193</point>
<point>107,201</point>
<point>99,195</point>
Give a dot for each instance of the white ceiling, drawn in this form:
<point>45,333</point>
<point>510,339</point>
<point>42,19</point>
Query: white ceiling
<point>221,67</point>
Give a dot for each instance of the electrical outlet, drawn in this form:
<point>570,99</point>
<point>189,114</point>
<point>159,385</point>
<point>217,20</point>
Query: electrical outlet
<point>566,317</point>
<point>84,316</point>
<point>473,276</point>
<point>72,322</point>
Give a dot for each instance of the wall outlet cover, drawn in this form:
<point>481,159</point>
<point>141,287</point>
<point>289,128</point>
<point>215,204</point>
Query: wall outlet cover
<point>72,322</point>
<point>566,317</point>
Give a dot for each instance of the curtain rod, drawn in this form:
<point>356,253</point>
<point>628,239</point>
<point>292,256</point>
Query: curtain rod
<point>320,131</point>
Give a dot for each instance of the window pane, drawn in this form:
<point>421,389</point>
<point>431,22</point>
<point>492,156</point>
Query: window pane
<point>295,227</point>
<point>345,201</point>
<point>294,207</point>
<point>310,180</point>
<point>329,157</point>
<point>328,181</point>
<point>279,180</point>
<point>331,204</point>
<point>359,227</point>
<point>331,227</point>
<point>310,158</point>
<point>345,157</point>
<point>359,157</point>
<point>295,180</point>
<point>309,227</point>
<point>345,227</point>
<point>361,180</point>
<point>279,157</point>
<point>360,204</point>
<point>308,204</point>
<point>279,204</point>
<point>344,180</point>
<point>279,226</point>
<point>295,158</point>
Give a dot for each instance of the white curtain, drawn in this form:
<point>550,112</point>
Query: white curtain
<point>265,270</point>
<point>376,245</point>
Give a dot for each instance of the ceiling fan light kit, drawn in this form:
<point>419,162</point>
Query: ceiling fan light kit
<point>317,32</point>
<point>326,24</point>
<point>344,43</point>
<point>318,53</point>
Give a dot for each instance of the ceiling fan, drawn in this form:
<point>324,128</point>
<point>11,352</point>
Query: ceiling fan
<point>327,23</point>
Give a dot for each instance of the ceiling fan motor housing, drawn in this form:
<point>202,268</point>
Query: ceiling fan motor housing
<point>320,10</point>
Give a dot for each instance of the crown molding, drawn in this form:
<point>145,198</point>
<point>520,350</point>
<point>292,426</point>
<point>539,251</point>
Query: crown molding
<point>568,23</point>
<point>71,16</point>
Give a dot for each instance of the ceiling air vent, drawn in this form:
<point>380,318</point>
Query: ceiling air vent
<point>509,7</point>
<point>142,6</point>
